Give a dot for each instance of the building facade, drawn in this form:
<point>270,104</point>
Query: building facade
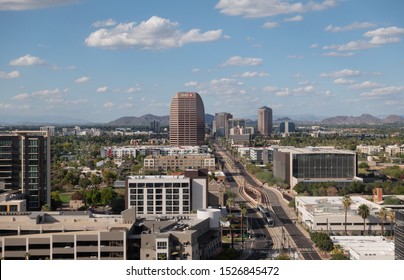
<point>221,123</point>
<point>315,165</point>
<point>167,195</point>
<point>187,119</point>
<point>179,162</point>
<point>265,120</point>
<point>399,233</point>
<point>25,166</point>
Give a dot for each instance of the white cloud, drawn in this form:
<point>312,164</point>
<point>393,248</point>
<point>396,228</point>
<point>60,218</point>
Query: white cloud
<point>49,93</point>
<point>382,91</point>
<point>366,84</point>
<point>299,91</point>
<point>295,56</point>
<point>10,75</point>
<point>21,96</point>
<point>342,73</point>
<point>191,84</point>
<point>304,90</point>
<point>5,106</point>
<point>294,19</point>
<point>27,60</point>
<point>339,54</point>
<point>352,26</point>
<point>133,89</point>
<point>104,23</point>
<point>377,37</point>
<point>270,25</point>
<point>155,33</point>
<point>269,8</point>
<point>243,61</point>
<point>108,105</point>
<point>195,70</point>
<point>82,80</point>
<point>252,74</point>
<point>20,5</point>
<point>313,46</point>
<point>343,81</point>
<point>102,89</point>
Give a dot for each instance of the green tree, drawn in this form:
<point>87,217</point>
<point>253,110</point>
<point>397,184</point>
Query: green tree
<point>391,218</point>
<point>84,182</point>
<point>383,218</point>
<point>346,203</point>
<point>107,195</point>
<point>364,211</point>
<point>109,177</point>
<point>55,200</point>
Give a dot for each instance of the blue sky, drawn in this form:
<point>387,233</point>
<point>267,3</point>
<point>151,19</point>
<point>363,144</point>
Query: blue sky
<point>101,60</point>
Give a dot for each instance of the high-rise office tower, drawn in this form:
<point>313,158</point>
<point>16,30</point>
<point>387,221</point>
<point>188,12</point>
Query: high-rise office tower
<point>187,120</point>
<point>25,166</point>
<point>265,120</point>
<point>221,124</point>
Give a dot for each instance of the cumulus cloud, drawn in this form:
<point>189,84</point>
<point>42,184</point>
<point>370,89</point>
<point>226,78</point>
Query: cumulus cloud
<point>295,56</point>
<point>155,33</point>
<point>343,81</point>
<point>339,54</point>
<point>342,73</point>
<point>20,5</point>
<point>249,74</point>
<point>191,84</point>
<point>5,106</point>
<point>299,91</point>
<point>104,23</point>
<point>352,26</point>
<point>382,91</point>
<point>293,19</point>
<point>243,61</point>
<point>82,80</point>
<point>10,75</point>
<point>366,84</point>
<point>270,25</point>
<point>269,8</point>
<point>21,96</point>
<point>27,60</point>
<point>102,89</point>
<point>133,89</point>
<point>376,37</point>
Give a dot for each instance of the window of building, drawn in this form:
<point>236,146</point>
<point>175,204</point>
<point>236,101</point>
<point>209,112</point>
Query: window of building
<point>161,245</point>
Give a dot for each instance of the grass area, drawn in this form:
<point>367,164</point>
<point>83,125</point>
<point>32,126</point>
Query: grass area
<point>65,197</point>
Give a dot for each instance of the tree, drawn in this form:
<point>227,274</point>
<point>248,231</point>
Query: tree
<point>107,195</point>
<point>55,200</point>
<point>243,213</point>
<point>364,211</point>
<point>346,203</point>
<point>383,217</point>
<point>391,217</point>
<point>230,203</point>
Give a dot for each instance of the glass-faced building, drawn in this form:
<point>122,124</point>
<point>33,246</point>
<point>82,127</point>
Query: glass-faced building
<point>312,165</point>
<point>25,166</point>
<point>399,233</point>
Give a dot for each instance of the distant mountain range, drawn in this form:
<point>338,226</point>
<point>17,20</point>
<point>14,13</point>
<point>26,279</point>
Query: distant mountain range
<point>363,119</point>
<point>147,119</point>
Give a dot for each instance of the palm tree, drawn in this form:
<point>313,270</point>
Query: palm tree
<point>230,203</point>
<point>383,217</point>
<point>346,203</point>
<point>391,218</point>
<point>243,213</point>
<point>364,211</point>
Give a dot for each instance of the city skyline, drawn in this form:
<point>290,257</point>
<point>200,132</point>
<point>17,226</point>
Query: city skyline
<point>99,61</point>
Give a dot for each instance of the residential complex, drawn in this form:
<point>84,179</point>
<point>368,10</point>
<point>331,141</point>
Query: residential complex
<point>167,195</point>
<point>180,162</point>
<point>25,166</point>
<point>187,119</point>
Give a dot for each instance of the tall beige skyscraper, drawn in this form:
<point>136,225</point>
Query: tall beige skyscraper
<point>265,120</point>
<point>187,120</point>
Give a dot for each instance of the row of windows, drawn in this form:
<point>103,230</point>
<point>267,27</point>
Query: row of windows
<point>159,185</point>
<point>158,202</point>
<point>159,209</point>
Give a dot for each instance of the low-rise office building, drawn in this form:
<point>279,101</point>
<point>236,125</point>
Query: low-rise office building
<point>326,214</point>
<point>366,247</point>
<point>315,165</point>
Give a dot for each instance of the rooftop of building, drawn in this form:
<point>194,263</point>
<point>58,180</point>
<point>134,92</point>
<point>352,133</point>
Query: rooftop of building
<point>314,150</point>
<point>326,205</point>
<point>60,221</point>
<point>366,245</point>
<point>157,177</point>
